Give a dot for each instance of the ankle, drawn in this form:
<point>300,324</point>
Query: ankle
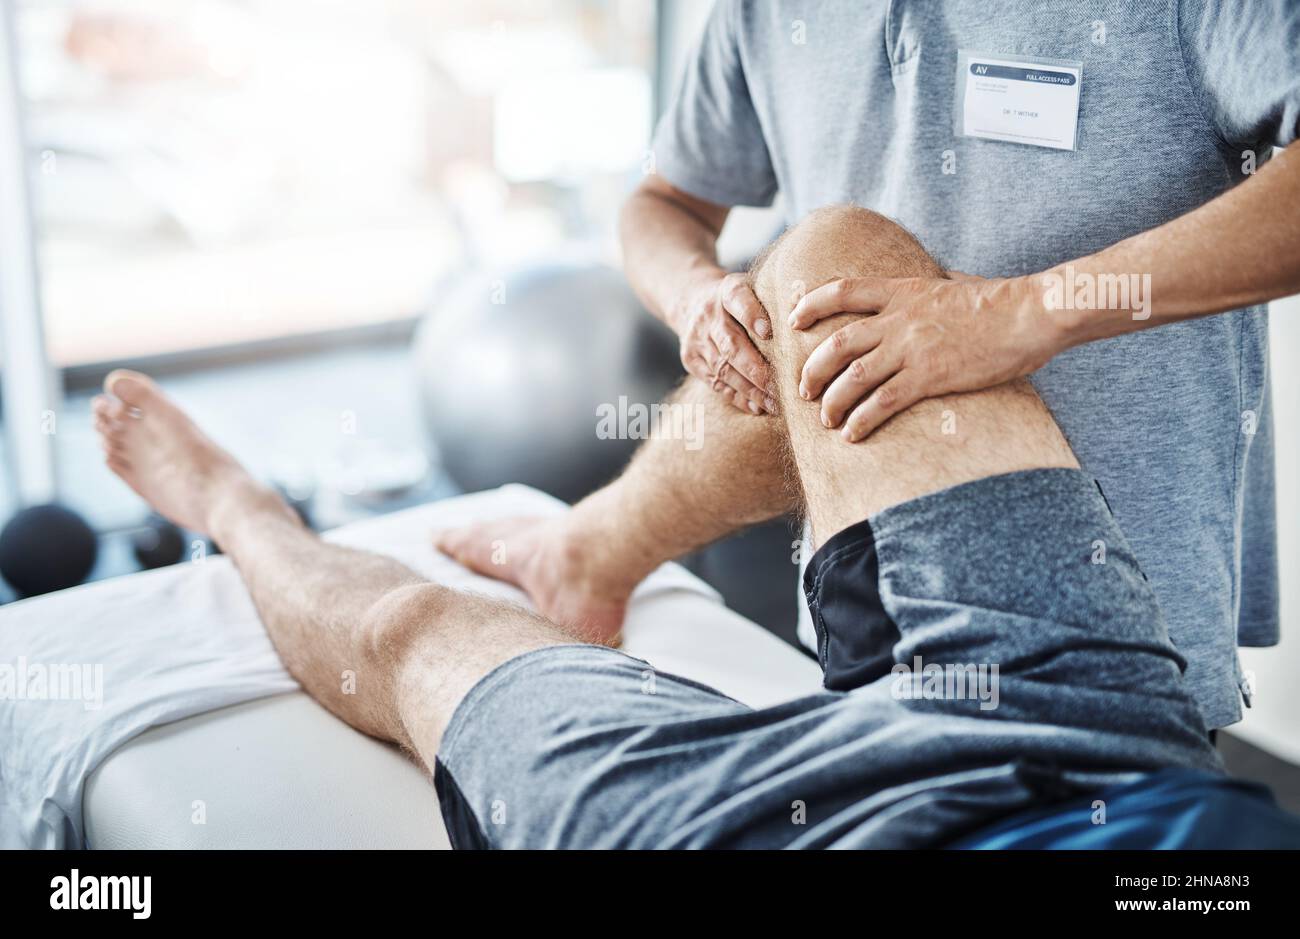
<point>241,500</point>
<point>592,564</point>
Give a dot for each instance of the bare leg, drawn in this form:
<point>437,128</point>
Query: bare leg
<point>382,648</point>
<point>680,492</point>
<point>935,444</point>
<point>581,568</point>
<point>415,649</point>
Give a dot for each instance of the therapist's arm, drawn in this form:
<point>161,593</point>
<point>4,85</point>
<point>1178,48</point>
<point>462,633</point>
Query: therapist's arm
<point>1238,250</point>
<point>938,336</point>
<point>669,242</point>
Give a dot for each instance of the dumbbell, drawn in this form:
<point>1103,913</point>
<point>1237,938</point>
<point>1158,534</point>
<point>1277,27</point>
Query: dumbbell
<point>157,543</point>
<point>49,547</point>
<point>45,548</point>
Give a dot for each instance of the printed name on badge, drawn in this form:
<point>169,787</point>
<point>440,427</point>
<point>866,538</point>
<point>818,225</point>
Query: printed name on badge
<point>1018,100</point>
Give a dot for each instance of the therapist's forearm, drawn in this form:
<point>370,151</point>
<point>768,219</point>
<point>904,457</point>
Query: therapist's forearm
<point>669,246</point>
<point>1240,249</point>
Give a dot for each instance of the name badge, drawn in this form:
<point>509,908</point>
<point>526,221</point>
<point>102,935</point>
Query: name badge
<point>1018,100</point>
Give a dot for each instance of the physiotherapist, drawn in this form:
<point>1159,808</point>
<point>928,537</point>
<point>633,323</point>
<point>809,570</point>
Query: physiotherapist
<point>1119,183</point>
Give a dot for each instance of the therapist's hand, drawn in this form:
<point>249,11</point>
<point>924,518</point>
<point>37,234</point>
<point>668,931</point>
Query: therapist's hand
<point>712,319</point>
<point>927,337</point>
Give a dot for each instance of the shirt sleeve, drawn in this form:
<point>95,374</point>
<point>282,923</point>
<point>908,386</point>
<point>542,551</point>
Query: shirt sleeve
<point>710,142</point>
<point>1243,61</point>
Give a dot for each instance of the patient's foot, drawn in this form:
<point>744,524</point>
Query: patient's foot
<point>160,453</point>
<point>544,558</point>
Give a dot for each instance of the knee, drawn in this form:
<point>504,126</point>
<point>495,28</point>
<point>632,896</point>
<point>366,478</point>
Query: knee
<point>830,224</point>
<point>857,242</point>
<point>834,242</point>
<point>395,622</point>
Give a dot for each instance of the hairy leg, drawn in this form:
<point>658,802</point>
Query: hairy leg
<point>383,649</point>
<point>707,471</point>
<point>935,444</point>
<point>581,568</point>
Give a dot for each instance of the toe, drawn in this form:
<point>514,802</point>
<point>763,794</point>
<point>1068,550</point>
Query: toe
<point>453,542</point>
<point>110,409</point>
<point>134,388</point>
<point>109,440</point>
<point>105,427</point>
<point>472,547</point>
<point>112,419</point>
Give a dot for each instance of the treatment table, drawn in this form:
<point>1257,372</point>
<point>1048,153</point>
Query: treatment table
<point>277,770</point>
<point>197,737</point>
<point>282,772</point>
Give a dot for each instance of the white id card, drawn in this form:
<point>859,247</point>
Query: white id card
<point>1018,99</point>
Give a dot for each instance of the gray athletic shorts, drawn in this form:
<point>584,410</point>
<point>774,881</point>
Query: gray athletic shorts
<point>989,648</point>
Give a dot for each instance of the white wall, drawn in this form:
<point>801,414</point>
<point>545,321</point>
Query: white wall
<point>1274,721</point>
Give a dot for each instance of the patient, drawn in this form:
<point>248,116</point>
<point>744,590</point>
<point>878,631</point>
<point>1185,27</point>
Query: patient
<point>961,534</point>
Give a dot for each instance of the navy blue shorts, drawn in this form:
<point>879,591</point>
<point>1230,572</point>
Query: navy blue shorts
<point>989,649</point>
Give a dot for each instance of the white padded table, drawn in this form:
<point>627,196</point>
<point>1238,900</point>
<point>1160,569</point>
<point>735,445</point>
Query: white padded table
<point>281,772</point>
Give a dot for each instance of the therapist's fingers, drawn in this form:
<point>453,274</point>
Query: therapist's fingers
<point>703,368</point>
<point>740,366</point>
<point>737,390</point>
<point>895,395</point>
<point>731,396</point>
<point>863,376</point>
<point>739,301</point>
<point>697,365</point>
<point>849,295</point>
<point>837,352</point>
<point>738,350</point>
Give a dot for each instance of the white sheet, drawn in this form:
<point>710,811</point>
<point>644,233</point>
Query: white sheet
<point>182,641</point>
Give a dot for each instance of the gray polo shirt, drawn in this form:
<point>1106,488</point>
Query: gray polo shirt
<point>853,101</point>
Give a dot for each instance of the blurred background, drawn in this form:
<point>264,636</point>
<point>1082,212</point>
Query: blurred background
<point>260,201</point>
<point>213,173</point>
<point>311,219</point>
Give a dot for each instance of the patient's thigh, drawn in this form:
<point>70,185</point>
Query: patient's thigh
<point>935,444</point>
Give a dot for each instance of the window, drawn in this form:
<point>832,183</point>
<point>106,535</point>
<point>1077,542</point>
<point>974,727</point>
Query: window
<point>218,172</point>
